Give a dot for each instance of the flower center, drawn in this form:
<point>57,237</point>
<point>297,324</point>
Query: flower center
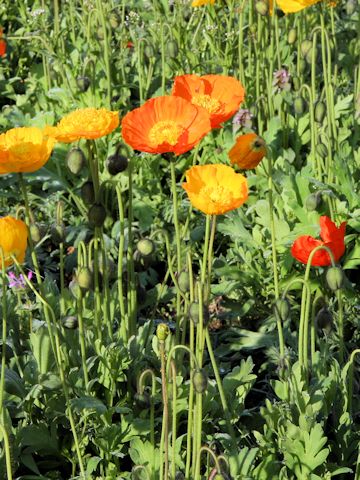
<point>166,131</point>
<point>211,104</point>
<point>217,194</point>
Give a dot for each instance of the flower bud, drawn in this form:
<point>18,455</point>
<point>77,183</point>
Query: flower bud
<point>162,332</point>
<point>116,163</point>
<point>96,215</point>
<point>324,320</point>
<point>321,150</point>
<point>296,83</point>
<point>84,278</point>
<point>319,111</point>
<point>262,7</point>
<point>184,281</point>
<point>70,322</point>
<point>194,313</point>
<point>292,36</point>
<point>350,7</point>
<point>143,400</point>
<point>75,288</point>
<point>83,83</point>
<point>200,380</point>
<point>114,20</point>
<point>299,105</point>
<point>88,193</point>
<point>37,232</point>
<point>75,160</point>
<point>282,309</point>
<point>57,232</point>
<point>305,47</point>
<point>100,33</point>
<point>313,201</point>
<point>146,247</point>
<point>172,48</point>
<point>149,51</point>
<point>335,278</point>
<point>302,65</point>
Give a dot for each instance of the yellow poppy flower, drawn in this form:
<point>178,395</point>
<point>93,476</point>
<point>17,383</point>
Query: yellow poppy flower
<point>13,240</point>
<point>24,149</point>
<point>199,3</point>
<point>88,123</point>
<point>215,189</point>
<point>293,6</point>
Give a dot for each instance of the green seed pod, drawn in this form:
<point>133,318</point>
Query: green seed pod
<point>350,7</point>
<point>162,332</point>
<point>262,7</point>
<point>282,309</point>
<point>96,215</point>
<point>319,111</point>
<point>37,232</point>
<point>296,83</point>
<point>143,400</point>
<point>184,281</point>
<point>74,288</point>
<point>70,322</point>
<point>200,380</point>
<point>75,160</point>
<point>305,47</point>
<point>149,51</point>
<point>85,279</point>
<point>313,201</point>
<point>88,193</point>
<point>299,105</point>
<point>321,150</point>
<point>116,163</point>
<point>302,65</point>
<point>324,320</point>
<point>335,278</point>
<point>172,48</point>
<point>194,313</point>
<point>146,247</point>
<point>57,232</point>
<point>83,84</point>
<point>292,36</point>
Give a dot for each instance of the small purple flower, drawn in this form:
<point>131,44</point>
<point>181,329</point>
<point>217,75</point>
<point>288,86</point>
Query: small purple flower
<point>281,80</point>
<point>18,283</point>
<point>243,118</point>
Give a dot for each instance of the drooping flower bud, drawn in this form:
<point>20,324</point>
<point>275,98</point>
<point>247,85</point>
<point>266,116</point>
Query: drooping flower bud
<point>96,215</point>
<point>313,201</point>
<point>172,48</point>
<point>200,380</point>
<point>70,322</point>
<point>292,36</point>
<point>145,246</point>
<point>194,313</point>
<point>282,309</point>
<point>335,278</point>
<point>305,47</point>
<point>83,83</point>
<point>85,278</point>
<point>75,160</point>
<point>184,281</point>
<point>88,193</point>
<point>319,111</point>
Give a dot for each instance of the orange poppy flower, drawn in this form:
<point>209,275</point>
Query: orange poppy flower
<point>24,149</point>
<point>165,124</point>
<point>219,95</point>
<point>215,189</point>
<point>199,3</point>
<point>332,237</point>
<point>13,240</point>
<point>248,151</point>
<point>88,123</point>
<point>2,44</point>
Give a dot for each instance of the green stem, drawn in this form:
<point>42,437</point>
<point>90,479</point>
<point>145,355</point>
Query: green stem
<point>7,452</point>
<point>272,230</point>
<point>164,444</point>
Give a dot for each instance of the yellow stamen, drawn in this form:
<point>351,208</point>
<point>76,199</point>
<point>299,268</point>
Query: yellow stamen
<point>212,105</point>
<point>216,194</point>
<point>166,131</point>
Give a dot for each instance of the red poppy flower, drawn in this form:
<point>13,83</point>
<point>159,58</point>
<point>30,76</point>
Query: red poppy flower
<point>2,47</point>
<point>165,124</point>
<point>331,237</point>
<point>219,95</point>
